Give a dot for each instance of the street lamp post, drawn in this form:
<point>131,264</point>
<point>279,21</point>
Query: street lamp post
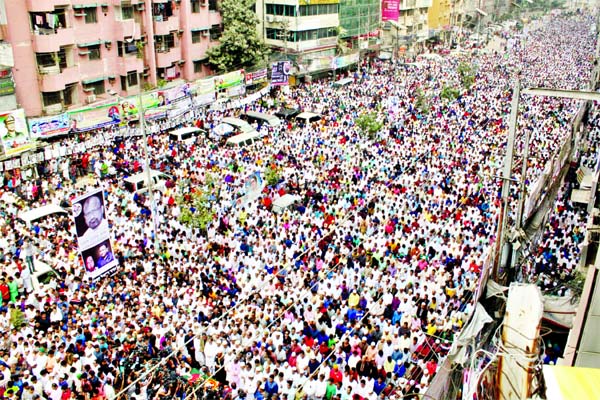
<point>149,180</point>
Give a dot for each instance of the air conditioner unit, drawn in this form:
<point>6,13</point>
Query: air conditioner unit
<point>269,18</point>
<point>91,99</point>
<point>278,19</point>
<point>205,33</point>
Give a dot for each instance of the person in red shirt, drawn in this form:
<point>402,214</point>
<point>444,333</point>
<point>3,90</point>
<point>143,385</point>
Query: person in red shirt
<point>336,375</point>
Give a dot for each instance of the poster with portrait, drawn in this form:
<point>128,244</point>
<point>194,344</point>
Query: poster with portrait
<point>280,73</point>
<point>93,234</point>
<point>49,126</point>
<point>14,132</point>
<point>253,186</point>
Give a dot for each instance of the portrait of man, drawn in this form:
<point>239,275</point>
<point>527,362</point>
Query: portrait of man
<point>104,255</point>
<point>11,131</point>
<point>90,222</point>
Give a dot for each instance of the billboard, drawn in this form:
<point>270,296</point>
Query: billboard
<point>344,61</point>
<point>229,80</point>
<point>260,76</point>
<point>205,91</point>
<point>253,186</point>
<point>49,126</point>
<point>390,10</point>
<point>280,73</point>
<point>14,133</point>
<point>93,234</point>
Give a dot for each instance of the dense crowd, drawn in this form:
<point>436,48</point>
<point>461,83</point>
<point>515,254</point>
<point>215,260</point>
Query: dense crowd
<point>357,293</point>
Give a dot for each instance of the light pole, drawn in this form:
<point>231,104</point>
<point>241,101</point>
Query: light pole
<point>501,236</point>
<point>149,180</point>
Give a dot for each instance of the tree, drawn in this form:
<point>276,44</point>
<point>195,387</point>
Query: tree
<point>369,124</point>
<point>466,73</point>
<point>240,46</point>
<point>449,93</point>
<point>272,175</point>
<point>422,101</point>
<point>195,205</point>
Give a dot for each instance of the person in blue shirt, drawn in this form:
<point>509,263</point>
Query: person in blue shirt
<point>271,388</point>
<point>379,386</point>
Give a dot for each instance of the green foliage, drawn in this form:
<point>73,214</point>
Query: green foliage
<point>369,124</point>
<point>449,93</point>
<point>467,74</point>
<point>240,46</point>
<point>422,102</point>
<point>17,318</point>
<point>272,175</point>
<point>196,210</point>
<point>148,86</point>
<point>140,49</point>
<point>161,83</point>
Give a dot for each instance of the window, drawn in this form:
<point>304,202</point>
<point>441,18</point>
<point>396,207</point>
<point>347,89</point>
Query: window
<point>95,87</point>
<point>315,34</point>
<point>280,9</point>
<point>196,6</point>
<point>50,98</point>
<point>212,5</point>
<point>69,94</point>
<point>95,53</point>
<point>126,12</point>
<point>318,9</point>
<point>162,11</point>
<point>196,36</point>
<point>164,43</point>
<point>215,32</point>
<point>198,67</point>
<point>126,48</point>
<point>45,59</point>
<point>132,78</point>
<point>91,16</point>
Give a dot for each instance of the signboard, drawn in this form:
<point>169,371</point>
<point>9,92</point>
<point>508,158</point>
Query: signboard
<point>88,118</point>
<point>253,78</point>
<point>344,61</point>
<point>49,126</point>
<point>14,133</point>
<point>253,186</point>
<point>390,10</point>
<point>230,79</point>
<point>93,234</point>
<point>320,64</point>
<point>280,73</point>
<point>205,91</point>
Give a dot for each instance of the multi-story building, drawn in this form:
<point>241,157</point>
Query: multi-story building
<point>301,30</point>
<point>359,18</point>
<point>72,52</point>
<point>407,27</point>
<point>440,14</point>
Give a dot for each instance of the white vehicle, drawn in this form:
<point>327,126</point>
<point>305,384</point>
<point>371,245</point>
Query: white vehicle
<point>306,118</point>
<point>44,277</point>
<point>283,202</point>
<point>186,135</point>
<point>243,139</point>
<point>260,118</point>
<point>35,214</point>
<point>138,183</point>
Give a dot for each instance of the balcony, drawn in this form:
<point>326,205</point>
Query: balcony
<point>127,28</point>
<point>45,5</point>
<point>52,41</point>
<point>165,59</point>
<point>54,79</point>
<point>163,27</point>
<point>128,64</point>
<point>118,2</point>
<point>408,4</point>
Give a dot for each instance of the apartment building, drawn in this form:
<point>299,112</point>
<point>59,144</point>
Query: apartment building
<point>301,30</point>
<point>413,17</point>
<point>68,53</point>
<point>440,14</point>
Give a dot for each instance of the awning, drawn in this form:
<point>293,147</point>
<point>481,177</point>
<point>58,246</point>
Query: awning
<point>97,42</point>
<point>202,28</point>
<point>79,6</point>
<point>200,59</point>
<point>92,80</point>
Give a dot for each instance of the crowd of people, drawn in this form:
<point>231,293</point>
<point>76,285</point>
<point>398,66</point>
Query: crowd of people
<point>357,293</point>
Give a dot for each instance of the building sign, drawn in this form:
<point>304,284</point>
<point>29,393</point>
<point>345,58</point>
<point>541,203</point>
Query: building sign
<point>205,91</point>
<point>49,126</point>
<point>14,133</point>
<point>390,10</point>
<point>280,73</point>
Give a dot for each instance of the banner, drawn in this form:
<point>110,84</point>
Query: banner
<point>344,61</point>
<point>49,126</point>
<point>205,91</point>
<point>93,234</point>
<point>89,118</point>
<point>280,73</point>
<point>230,79</point>
<point>319,64</point>
<point>390,10</point>
<point>14,133</point>
<point>253,186</point>
<point>253,78</point>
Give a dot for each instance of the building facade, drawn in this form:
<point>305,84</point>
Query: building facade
<point>405,24</point>
<point>69,53</point>
<point>440,14</point>
<point>300,30</point>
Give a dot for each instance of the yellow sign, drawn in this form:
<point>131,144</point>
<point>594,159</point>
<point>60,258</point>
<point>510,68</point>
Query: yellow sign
<point>314,2</point>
